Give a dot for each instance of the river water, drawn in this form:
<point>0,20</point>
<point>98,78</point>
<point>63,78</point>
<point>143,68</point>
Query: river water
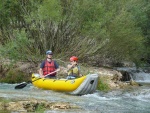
<point>133,100</point>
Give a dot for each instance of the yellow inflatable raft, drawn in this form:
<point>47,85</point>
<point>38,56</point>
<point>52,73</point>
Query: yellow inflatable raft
<point>83,85</point>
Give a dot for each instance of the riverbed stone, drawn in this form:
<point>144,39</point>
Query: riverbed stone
<point>2,106</point>
<point>133,83</point>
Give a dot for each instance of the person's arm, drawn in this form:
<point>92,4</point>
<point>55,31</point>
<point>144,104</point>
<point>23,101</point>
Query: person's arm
<point>79,71</point>
<point>58,69</point>
<point>41,70</point>
<point>70,66</point>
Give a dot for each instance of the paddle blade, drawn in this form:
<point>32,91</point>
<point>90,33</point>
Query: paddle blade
<point>21,85</point>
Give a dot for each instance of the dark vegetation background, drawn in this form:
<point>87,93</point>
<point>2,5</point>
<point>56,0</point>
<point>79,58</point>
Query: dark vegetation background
<point>99,32</point>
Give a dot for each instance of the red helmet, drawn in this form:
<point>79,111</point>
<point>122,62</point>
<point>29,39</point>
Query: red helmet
<point>73,58</point>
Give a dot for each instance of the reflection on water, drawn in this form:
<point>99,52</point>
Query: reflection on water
<point>119,101</point>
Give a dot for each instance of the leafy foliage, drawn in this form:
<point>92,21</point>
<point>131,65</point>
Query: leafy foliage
<point>19,48</point>
<point>14,76</point>
<point>115,30</point>
<point>50,10</point>
<point>102,86</point>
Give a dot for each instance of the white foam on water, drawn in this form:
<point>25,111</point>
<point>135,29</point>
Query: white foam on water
<point>142,94</point>
<point>141,76</point>
<point>100,97</point>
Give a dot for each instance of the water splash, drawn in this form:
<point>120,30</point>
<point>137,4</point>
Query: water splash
<point>138,75</point>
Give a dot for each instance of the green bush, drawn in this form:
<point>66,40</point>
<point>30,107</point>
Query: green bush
<point>14,76</point>
<point>103,86</point>
<point>40,108</point>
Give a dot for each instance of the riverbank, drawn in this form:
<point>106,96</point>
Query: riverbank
<point>33,105</point>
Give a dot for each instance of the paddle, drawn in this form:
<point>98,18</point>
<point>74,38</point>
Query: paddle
<point>23,84</point>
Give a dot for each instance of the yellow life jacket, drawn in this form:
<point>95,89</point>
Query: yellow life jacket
<point>74,71</point>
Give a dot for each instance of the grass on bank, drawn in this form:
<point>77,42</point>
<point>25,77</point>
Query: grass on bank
<point>102,85</point>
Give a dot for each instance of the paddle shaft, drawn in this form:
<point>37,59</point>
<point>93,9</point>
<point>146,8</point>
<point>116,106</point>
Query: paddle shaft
<point>51,73</point>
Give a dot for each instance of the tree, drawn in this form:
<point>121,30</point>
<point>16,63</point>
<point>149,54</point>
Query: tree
<point>86,28</point>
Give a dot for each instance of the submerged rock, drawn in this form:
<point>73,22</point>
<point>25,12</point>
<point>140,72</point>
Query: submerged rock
<point>133,83</point>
